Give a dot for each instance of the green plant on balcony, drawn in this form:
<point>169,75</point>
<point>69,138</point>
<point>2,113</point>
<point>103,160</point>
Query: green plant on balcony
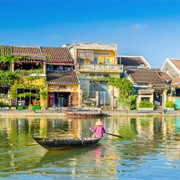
<point>44,94</point>
<point>7,78</point>
<point>47,56</point>
<point>27,74</point>
<point>7,57</point>
<point>169,104</point>
<point>146,104</point>
<point>37,96</point>
<point>27,86</point>
<point>13,93</point>
<point>29,78</point>
<point>24,95</point>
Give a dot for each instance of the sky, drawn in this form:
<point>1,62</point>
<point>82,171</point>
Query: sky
<point>148,28</point>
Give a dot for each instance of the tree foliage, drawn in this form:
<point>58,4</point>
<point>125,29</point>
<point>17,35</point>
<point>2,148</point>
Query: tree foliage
<point>125,87</point>
<point>6,55</point>
<point>7,78</point>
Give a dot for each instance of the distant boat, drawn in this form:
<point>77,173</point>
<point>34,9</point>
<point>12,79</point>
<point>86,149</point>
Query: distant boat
<point>59,143</point>
<point>83,113</point>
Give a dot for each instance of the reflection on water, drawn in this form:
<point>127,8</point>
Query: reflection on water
<point>149,149</point>
<point>58,157</point>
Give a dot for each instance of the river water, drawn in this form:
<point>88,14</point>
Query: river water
<point>149,149</point>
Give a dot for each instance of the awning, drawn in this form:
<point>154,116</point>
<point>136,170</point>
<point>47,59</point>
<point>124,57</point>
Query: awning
<point>86,54</point>
<point>30,56</point>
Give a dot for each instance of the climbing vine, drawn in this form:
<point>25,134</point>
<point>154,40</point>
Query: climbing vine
<point>125,87</point>
<point>7,78</point>
<point>7,57</point>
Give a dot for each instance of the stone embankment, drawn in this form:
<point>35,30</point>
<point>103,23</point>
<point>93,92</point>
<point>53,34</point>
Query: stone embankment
<point>53,113</point>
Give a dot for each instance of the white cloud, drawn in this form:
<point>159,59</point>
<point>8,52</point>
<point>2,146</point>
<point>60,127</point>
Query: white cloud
<point>137,27</point>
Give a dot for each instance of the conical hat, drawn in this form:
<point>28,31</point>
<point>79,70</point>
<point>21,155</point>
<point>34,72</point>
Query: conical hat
<point>99,122</point>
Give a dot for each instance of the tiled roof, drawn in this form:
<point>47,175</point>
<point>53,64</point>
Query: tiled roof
<point>176,62</point>
<point>144,91</point>
<point>57,54</point>
<point>26,50</point>
<point>159,86</point>
<point>148,76</point>
<point>31,51</point>
<point>165,77</point>
<point>5,49</point>
<point>175,81</point>
<point>137,61</point>
<point>62,78</point>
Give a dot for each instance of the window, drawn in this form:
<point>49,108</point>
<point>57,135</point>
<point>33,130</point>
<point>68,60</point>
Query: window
<point>94,62</point>
<point>145,99</point>
<point>81,62</point>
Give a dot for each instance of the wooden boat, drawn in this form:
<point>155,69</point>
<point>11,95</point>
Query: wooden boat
<point>58,144</point>
<point>83,113</point>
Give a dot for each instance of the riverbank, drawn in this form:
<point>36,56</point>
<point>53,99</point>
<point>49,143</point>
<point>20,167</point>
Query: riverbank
<point>52,113</point>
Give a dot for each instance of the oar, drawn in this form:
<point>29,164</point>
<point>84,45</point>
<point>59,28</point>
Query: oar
<point>114,135</point>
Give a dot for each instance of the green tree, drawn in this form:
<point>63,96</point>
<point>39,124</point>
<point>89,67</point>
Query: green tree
<point>125,87</point>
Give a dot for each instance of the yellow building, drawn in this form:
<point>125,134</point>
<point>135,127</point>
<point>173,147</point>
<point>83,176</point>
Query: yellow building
<point>62,79</point>
<point>30,68</point>
<point>96,60</point>
<point>41,76</point>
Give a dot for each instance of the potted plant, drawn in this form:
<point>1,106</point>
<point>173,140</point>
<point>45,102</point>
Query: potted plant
<point>146,105</point>
<point>169,105</point>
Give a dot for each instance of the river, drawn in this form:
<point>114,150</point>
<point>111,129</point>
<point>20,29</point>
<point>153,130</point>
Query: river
<point>149,149</point>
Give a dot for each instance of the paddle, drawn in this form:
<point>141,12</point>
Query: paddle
<point>114,135</point>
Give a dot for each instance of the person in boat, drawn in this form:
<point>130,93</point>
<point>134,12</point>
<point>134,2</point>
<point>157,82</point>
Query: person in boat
<point>98,130</point>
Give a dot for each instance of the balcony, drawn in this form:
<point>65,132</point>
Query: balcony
<point>100,68</point>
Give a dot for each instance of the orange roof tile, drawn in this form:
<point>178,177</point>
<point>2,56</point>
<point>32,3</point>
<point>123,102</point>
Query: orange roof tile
<point>132,61</point>
<point>176,62</point>
<point>57,54</point>
<point>147,76</point>
<point>175,81</point>
<point>26,50</point>
<point>62,77</point>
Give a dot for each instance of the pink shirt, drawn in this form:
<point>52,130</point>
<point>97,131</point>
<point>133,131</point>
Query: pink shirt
<point>99,130</point>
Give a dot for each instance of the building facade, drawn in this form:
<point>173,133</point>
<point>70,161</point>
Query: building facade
<point>94,61</point>
<point>171,68</point>
<point>73,75</point>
